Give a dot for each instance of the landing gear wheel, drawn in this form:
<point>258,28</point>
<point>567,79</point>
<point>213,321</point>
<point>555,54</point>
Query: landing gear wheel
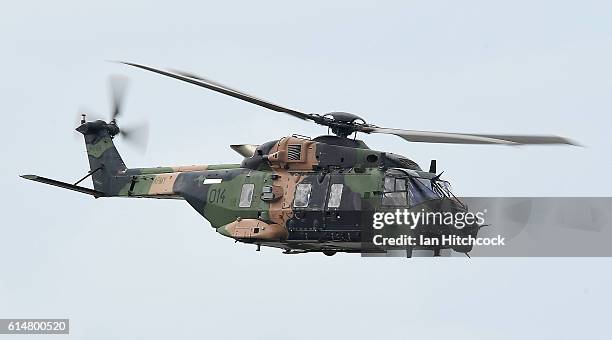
<point>329,252</point>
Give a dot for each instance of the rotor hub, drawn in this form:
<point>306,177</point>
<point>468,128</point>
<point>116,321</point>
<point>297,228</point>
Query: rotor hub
<point>343,123</point>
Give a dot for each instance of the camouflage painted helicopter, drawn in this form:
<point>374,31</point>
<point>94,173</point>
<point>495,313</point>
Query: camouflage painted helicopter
<point>295,193</point>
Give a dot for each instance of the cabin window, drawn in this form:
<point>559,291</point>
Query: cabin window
<point>335,195</point>
<point>302,195</point>
<point>395,192</point>
<point>246,195</point>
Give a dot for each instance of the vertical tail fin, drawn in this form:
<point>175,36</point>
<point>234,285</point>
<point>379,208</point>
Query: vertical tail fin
<point>104,159</point>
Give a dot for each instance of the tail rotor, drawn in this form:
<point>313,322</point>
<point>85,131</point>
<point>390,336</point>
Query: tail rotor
<point>137,134</point>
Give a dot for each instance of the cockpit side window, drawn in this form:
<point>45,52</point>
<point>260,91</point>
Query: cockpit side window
<point>389,184</point>
<point>395,192</point>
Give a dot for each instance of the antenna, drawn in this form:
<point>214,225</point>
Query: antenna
<point>432,166</point>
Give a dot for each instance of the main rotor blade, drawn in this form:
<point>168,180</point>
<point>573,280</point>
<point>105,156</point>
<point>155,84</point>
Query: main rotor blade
<point>534,139</point>
<point>214,86</point>
<point>461,138</point>
<point>211,82</point>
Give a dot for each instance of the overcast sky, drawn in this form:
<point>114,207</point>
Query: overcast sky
<point>157,270</point>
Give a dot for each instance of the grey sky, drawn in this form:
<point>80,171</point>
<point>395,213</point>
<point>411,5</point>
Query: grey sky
<point>155,269</point>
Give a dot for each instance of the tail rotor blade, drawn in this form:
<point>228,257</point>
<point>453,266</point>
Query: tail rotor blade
<point>118,87</point>
<point>137,135</point>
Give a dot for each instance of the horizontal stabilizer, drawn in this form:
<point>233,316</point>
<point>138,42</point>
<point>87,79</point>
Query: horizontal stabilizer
<point>68,186</point>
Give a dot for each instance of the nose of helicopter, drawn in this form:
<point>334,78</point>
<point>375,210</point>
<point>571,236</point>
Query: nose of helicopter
<point>223,231</point>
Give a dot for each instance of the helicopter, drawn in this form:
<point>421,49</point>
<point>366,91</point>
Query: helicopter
<point>296,193</point>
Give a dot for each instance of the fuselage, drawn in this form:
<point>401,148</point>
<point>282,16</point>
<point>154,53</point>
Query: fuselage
<point>297,193</point>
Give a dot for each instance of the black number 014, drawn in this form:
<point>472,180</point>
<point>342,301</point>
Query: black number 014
<point>216,196</point>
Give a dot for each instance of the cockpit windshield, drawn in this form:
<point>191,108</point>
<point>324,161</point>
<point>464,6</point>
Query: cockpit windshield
<point>403,188</point>
<point>422,190</point>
